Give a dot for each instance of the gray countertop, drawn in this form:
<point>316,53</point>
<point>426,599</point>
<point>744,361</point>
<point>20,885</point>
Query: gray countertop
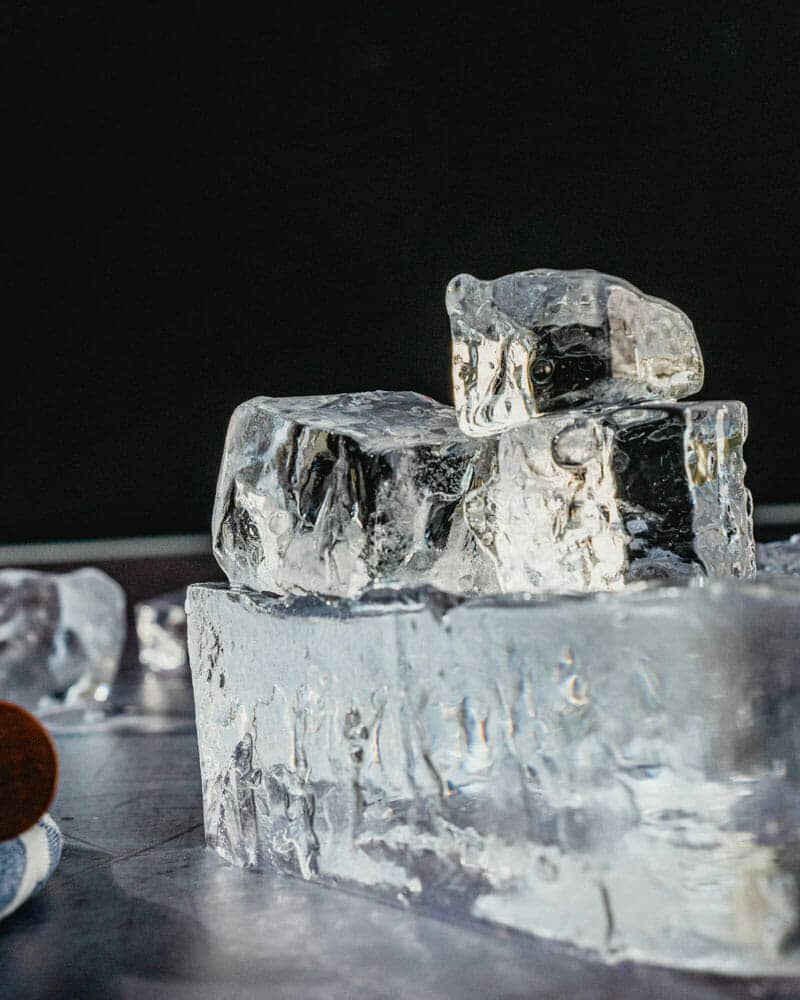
<point>139,907</point>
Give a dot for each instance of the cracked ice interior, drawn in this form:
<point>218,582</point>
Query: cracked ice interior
<point>401,690</point>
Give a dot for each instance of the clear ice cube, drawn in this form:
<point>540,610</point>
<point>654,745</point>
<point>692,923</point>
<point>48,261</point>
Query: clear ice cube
<point>591,500</point>
<point>161,632</point>
<point>337,493</point>
<point>545,340</point>
<point>61,636</point>
<point>618,771</point>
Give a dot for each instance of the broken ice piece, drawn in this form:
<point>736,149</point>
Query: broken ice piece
<point>61,636</point>
<point>547,340</point>
<point>591,500</point>
<point>336,493</point>
<point>779,557</point>
<point>617,771</point>
<point>161,631</point>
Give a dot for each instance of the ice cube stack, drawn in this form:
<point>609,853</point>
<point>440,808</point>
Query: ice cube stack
<point>567,464</point>
<point>417,682</point>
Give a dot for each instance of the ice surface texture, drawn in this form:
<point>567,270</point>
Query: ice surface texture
<point>335,493</point>
<point>161,631</point>
<point>589,501</point>
<point>618,771</point>
<point>61,636</point>
<point>780,557</point>
<point>547,340</point>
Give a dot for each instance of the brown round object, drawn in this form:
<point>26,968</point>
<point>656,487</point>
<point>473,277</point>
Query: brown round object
<point>28,770</point>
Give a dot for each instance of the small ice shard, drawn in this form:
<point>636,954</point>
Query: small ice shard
<point>61,636</point>
<point>617,771</point>
<point>583,501</point>
<point>336,493</point>
<point>161,631</point>
<point>779,557</point>
<point>546,340</point>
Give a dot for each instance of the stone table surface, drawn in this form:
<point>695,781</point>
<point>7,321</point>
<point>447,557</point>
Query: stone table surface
<point>139,907</point>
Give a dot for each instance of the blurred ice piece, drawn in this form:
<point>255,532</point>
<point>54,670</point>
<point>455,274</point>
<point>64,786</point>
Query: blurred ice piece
<point>617,771</point>
<point>590,500</point>
<point>61,636</point>
<point>779,557</point>
<point>332,494</point>
<point>161,631</point>
<point>547,340</point>
<point>27,862</point>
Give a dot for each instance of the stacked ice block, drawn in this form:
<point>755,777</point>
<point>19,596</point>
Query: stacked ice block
<point>418,682</point>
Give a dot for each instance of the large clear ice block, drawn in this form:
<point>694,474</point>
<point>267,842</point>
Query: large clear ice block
<point>332,494</point>
<point>545,340</point>
<point>618,771</point>
<point>592,500</point>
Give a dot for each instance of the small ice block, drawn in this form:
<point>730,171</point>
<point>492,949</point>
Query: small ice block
<point>546,340</point>
<point>584,501</point>
<point>161,631</point>
<point>61,636</point>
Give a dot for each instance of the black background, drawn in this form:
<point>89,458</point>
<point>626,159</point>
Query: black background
<point>202,208</point>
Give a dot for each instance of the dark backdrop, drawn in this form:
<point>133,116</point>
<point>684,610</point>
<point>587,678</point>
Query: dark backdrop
<point>201,210</point>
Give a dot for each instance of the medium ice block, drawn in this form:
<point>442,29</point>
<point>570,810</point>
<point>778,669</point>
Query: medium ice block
<point>590,501</point>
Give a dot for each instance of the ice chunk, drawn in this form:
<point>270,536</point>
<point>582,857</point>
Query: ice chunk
<point>161,631</point>
<point>588,501</point>
<point>547,340</point>
<point>336,493</point>
<point>618,771</point>
<point>779,557</point>
<point>61,636</point>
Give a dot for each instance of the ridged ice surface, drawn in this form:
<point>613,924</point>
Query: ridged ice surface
<point>545,340</point>
<point>336,494</point>
<point>61,636</point>
<point>332,494</point>
<point>779,557</point>
<point>616,771</point>
<point>590,501</point>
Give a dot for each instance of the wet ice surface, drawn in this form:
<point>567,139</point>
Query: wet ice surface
<point>61,637</point>
<point>337,494</point>
<point>614,771</point>
<point>544,340</point>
